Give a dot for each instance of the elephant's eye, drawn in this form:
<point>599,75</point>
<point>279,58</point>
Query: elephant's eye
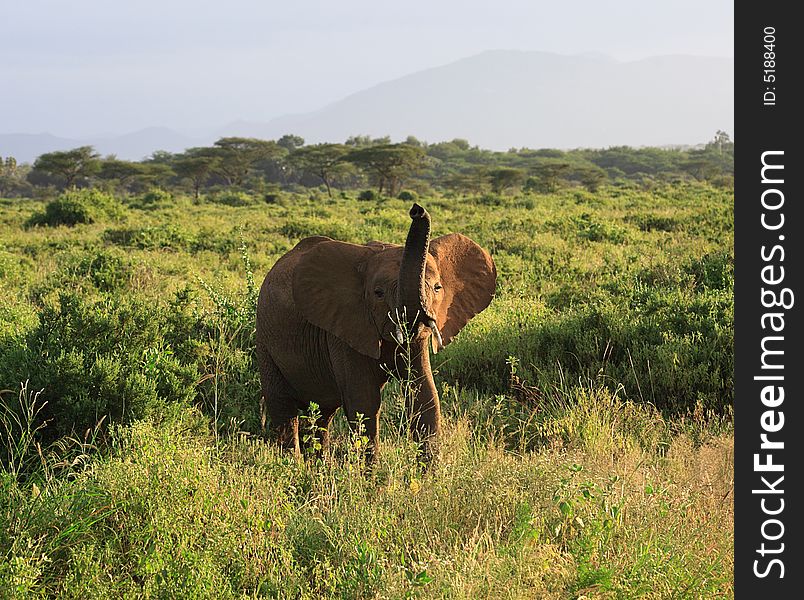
<point>379,293</point>
<point>437,287</point>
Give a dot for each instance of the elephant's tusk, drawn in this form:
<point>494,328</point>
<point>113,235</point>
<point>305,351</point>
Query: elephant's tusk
<point>440,342</point>
<point>400,339</point>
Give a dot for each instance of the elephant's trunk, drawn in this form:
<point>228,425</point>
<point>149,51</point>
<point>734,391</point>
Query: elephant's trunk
<point>410,295</point>
<point>426,413</point>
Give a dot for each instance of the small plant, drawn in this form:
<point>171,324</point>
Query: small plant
<point>310,432</point>
<point>20,428</point>
<point>367,195</point>
<point>229,361</point>
<point>407,195</point>
<point>588,517</point>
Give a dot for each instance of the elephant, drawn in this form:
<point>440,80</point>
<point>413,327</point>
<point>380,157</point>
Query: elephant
<point>334,319</point>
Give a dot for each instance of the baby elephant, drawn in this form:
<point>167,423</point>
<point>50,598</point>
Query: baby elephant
<point>333,318</point>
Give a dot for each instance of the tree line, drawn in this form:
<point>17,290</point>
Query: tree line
<point>288,163</point>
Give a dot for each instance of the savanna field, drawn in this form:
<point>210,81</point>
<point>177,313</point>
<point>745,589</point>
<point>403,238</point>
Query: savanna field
<point>588,438</point>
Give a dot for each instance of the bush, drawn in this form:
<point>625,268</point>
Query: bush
<point>301,228</point>
<point>233,198</point>
<point>172,237</point>
<point>156,196</point>
<point>78,206</point>
<point>108,270</point>
<point>671,348</point>
<point>120,358</point>
<point>367,195</point>
<point>652,222</point>
<point>407,196</point>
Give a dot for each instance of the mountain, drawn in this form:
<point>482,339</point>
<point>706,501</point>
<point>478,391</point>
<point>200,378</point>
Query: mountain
<point>25,147</point>
<point>503,99</point>
<point>140,144</point>
<point>130,146</point>
<point>497,99</point>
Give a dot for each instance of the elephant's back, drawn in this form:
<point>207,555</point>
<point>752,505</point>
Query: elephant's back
<point>278,320</point>
<point>276,293</point>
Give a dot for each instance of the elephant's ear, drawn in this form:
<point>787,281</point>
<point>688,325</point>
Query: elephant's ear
<point>328,288</point>
<point>468,279</point>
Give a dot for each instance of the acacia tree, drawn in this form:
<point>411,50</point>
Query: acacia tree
<point>324,161</point>
<point>548,174</point>
<point>70,165</point>
<point>8,172</point>
<point>503,178</point>
<point>237,156</point>
<point>721,142</point>
<point>389,164</point>
<point>290,142</point>
<point>361,141</point>
<point>197,166</point>
<point>473,179</point>
<point>122,171</point>
<point>591,177</point>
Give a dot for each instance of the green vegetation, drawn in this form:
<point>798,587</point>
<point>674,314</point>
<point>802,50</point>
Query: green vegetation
<point>587,412</point>
<point>77,206</point>
<point>262,166</point>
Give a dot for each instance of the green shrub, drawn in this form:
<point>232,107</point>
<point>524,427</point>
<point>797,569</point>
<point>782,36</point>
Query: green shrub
<point>367,195</point>
<point>407,195</point>
<point>595,231</point>
<point>232,198</point>
<point>587,227</point>
<point>75,207</point>
<point>117,358</point>
<point>714,270</point>
<point>160,236</point>
<point>172,237</point>
<point>655,222</point>
<point>300,228</point>
<point>156,196</point>
<point>107,269</point>
<point>670,348</point>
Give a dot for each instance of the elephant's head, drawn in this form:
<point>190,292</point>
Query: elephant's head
<point>360,293</point>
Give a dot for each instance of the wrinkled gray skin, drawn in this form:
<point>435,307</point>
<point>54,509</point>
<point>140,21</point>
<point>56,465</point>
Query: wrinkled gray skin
<point>327,329</point>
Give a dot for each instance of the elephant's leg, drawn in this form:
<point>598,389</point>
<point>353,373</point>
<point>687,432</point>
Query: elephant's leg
<point>359,380</point>
<point>280,404</point>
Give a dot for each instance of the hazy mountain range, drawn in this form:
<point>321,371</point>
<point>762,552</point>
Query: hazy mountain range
<point>497,99</point>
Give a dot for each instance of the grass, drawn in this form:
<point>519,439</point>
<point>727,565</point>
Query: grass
<point>587,446</point>
<point>617,506</point>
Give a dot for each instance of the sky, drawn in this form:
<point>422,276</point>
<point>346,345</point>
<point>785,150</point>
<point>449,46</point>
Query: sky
<point>83,68</point>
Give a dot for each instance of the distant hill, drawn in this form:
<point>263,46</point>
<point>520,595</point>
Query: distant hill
<point>143,143</point>
<point>25,147</point>
<point>498,99</point>
<point>503,99</point>
<point>130,146</point>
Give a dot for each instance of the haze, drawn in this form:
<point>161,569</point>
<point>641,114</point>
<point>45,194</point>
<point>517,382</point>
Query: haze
<point>90,67</point>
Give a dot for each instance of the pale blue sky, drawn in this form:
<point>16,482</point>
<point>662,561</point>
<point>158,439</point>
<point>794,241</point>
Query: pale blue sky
<point>84,67</point>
